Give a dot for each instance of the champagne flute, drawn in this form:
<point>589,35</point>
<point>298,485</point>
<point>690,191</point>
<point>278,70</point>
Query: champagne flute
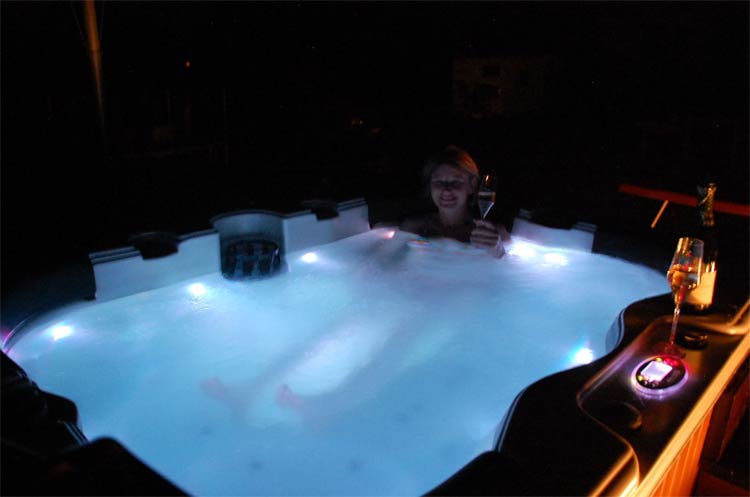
<point>486,193</point>
<point>684,274</point>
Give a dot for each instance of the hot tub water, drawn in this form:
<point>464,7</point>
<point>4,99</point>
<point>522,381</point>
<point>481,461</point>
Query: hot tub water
<point>371,366</point>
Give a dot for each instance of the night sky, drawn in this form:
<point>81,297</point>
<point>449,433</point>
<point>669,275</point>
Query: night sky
<point>373,53</point>
<point>279,83</point>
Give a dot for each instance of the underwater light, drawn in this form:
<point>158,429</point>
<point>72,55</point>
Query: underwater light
<point>61,331</point>
<point>522,249</point>
<point>584,355</point>
<point>556,259</point>
<point>197,289</point>
<point>309,257</point>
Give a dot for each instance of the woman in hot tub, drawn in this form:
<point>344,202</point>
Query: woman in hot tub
<point>451,181</point>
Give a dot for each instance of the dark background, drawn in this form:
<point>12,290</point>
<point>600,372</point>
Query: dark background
<point>287,101</point>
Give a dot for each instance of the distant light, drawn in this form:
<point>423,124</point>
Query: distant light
<point>187,64</point>
<point>556,259</point>
<point>197,289</point>
<point>584,355</point>
<point>309,257</point>
<point>390,234</point>
<point>61,331</point>
<point>522,249</point>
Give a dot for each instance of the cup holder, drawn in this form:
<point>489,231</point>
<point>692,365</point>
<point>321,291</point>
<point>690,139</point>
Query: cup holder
<point>247,258</point>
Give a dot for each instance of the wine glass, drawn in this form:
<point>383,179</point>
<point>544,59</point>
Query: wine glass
<point>486,193</point>
<point>684,274</point>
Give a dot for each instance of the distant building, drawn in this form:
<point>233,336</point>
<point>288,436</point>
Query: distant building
<point>500,86</point>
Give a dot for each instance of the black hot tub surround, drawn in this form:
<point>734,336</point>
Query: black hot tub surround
<point>592,431</point>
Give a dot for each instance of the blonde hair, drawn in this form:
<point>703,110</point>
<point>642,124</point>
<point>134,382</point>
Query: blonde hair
<point>456,158</point>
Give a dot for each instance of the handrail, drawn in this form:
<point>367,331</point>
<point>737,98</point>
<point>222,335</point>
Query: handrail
<point>734,208</point>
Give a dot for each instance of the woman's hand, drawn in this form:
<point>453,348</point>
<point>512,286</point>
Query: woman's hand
<point>490,236</point>
<point>485,234</point>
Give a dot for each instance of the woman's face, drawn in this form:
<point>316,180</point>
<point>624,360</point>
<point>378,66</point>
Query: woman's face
<point>450,189</point>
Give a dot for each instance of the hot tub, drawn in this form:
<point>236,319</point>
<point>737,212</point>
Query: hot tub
<point>372,363</point>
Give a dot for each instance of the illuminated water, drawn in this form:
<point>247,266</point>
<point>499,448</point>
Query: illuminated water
<point>372,367</point>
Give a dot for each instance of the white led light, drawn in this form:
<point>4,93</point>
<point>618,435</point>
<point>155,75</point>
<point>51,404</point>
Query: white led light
<point>309,257</point>
<point>583,355</point>
<point>61,331</point>
<point>197,289</point>
<point>522,249</point>
<point>556,259</point>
